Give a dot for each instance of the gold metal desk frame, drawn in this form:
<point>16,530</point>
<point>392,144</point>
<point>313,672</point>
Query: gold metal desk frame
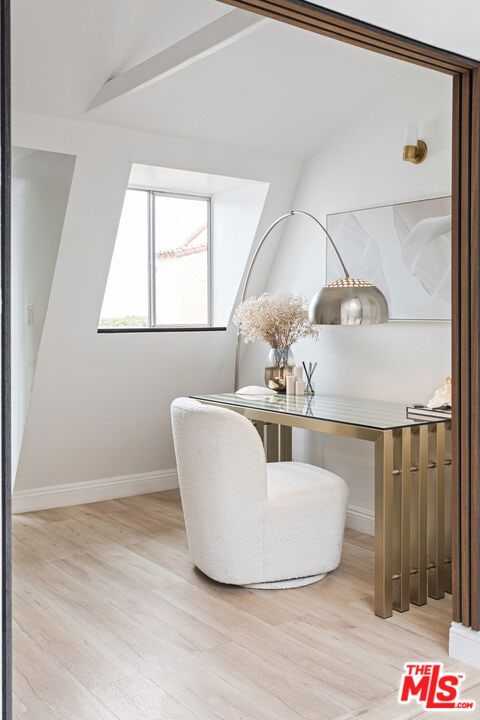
<point>412,489</point>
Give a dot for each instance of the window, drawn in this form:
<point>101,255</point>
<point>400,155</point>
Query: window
<point>183,241</point>
<point>160,271</point>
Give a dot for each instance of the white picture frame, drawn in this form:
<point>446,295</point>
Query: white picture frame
<point>404,249</point>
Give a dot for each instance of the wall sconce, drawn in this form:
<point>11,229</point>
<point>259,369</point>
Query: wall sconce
<point>414,150</point>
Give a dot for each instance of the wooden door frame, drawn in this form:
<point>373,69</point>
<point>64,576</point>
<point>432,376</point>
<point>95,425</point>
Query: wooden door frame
<point>465,264</point>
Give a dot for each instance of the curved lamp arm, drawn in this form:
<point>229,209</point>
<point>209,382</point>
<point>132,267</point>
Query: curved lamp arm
<point>267,233</point>
<point>254,257</point>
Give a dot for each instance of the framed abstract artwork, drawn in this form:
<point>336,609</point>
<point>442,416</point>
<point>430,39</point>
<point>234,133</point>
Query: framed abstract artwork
<point>404,249</point>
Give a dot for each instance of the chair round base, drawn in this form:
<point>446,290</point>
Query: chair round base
<point>285,584</point>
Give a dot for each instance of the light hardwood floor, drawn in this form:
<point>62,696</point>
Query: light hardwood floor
<point>112,622</point>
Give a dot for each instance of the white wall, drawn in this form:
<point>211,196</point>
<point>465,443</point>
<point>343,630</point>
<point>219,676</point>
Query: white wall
<point>100,403</point>
<point>361,166</point>
<point>40,187</point>
<point>236,214</point>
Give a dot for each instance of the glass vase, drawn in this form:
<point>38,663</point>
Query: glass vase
<point>279,363</point>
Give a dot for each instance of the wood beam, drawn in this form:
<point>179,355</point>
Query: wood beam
<point>211,38</point>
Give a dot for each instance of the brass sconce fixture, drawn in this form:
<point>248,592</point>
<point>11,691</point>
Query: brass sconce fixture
<point>414,150</point>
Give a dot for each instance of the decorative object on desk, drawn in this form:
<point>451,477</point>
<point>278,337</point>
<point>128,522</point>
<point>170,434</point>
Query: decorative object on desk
<point>308,408</point>
<point>255,390</point>
<point>405,249</point>
<point>439,406</point>
<point>416,412</point>
<point>347,301</point>
<point>279,319</point>
<point>279,365</point>
<point>290,384</point>
<point>442,397</point>
<point>299,387</point>
<point>298,372</point>
<point>309,387</point>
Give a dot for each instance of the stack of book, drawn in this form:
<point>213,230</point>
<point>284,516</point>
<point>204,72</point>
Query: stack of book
<point>422,411</point>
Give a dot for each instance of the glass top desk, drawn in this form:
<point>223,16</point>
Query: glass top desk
<point>412,529</point>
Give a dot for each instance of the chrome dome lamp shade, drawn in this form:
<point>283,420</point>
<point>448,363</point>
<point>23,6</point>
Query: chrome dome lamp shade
<point>348,302</point>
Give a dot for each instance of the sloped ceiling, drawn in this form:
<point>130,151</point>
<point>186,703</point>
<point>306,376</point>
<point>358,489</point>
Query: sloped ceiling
<point>280,88</point>
<point>64,50</point>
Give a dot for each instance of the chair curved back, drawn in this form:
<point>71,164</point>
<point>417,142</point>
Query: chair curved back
<point>223,484</point>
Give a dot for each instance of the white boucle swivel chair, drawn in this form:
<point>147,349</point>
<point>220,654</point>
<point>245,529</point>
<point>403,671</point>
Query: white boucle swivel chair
<point>250,522</point>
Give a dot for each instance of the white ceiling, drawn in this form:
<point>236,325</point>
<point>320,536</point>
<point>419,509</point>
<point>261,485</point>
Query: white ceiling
<point>280,88</point>
<point>64,50</point>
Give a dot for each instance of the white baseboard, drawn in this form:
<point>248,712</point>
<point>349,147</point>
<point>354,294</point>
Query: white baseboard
<point>360,520</point>
<point>464,644</point>
<point>53,496</point>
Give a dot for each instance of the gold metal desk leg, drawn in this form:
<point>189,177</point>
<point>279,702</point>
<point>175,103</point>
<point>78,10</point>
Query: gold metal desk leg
<point>436,517</point>
<point>403,499</point>
<point>272,442</point>
<point>418,584</point>
<point>260,428</point>
<point>383,527</point>
<point>448,505</point>
<point>285,443</point>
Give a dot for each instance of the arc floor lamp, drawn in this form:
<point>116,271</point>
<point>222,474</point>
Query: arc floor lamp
<point>347,301</point>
